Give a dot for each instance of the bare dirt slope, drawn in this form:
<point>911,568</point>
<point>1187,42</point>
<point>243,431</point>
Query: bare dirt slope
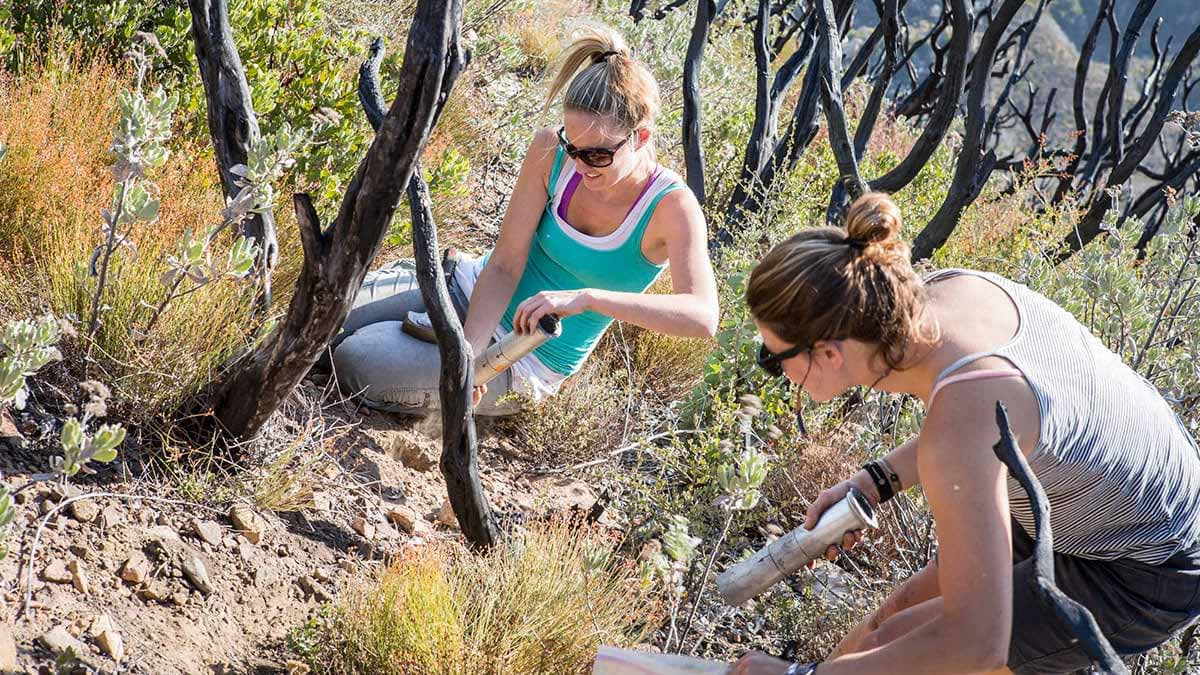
<point>143,586</point>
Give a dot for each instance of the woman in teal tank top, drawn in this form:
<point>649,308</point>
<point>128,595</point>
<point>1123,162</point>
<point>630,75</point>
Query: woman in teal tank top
<point>592,223</point>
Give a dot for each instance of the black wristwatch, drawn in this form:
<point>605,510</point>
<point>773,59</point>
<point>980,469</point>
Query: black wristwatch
<point>802,669</point>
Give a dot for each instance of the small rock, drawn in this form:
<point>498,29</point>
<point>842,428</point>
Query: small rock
<point>162,520</point>
<point>79,578</point>
<point>164,534</point>
<point>321,575</point>
<point>179,598</point>
<point>414,451</point>
<point>404,517</point>
<point>10,437</point>
<point>145,516</point>
<point>136,568</point>
<point>84,510</point>
<point>110,517</point>
<point>57,572</point>
<point>47,506</point>
<point>8,649</point>
<point>58,640</point>
<point>445,515</point>
<point>104,632</point>
<point>207,530</point>
<point>80,551</point>
<point>322,502</point>
<point>153,592</point>
<point>194,570</point>
<point>364,527</point>
<point>347,565</point>
<point>774,529</point>
<point>246,551</point>
<point>60,491</point>
<point>315,589</point>
<point>248,523</point>
<point>565,494</point>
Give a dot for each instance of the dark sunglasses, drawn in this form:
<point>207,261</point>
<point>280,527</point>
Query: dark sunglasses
<point>773,363</point>
<point>593,157</point>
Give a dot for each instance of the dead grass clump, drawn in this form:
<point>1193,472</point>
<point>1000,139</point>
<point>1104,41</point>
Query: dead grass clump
<point>540,603</point>
<point>589,414</point>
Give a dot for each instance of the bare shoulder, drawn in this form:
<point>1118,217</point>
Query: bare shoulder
<point>541,153</point>
<point>678,213</point>
<point>967,289</point>
<point>963,416</point>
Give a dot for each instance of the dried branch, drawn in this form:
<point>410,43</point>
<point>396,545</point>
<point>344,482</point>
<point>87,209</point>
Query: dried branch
<point>1075,616</point>
<point>693,149</point>
<point>232,124</point>
<point>973,166</point>
<point>940,119</point>
<point>1089,225</point>
<point>835,109</point>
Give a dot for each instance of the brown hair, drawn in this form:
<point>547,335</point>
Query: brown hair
<point>834,283</point>
<point>611,83</point>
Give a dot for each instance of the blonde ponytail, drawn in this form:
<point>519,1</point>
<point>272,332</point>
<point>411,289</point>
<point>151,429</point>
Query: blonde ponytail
<point>599,75</point>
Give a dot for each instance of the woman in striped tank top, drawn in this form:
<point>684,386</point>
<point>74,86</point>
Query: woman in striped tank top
<point>839,308</point>
<point>592,222</point>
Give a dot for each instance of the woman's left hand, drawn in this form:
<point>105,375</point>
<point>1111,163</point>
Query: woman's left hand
<point>758,663</point>
<point>559,303</point>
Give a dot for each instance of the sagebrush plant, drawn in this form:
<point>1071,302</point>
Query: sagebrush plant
<point>268,158</point>
<point>27,345</point>
<point>1142,305</point>
<point>139,144</point>
<point>540,602</point>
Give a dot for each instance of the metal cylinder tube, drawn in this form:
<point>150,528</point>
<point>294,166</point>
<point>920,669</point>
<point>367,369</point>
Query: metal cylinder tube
<point>501,355</point>
<point>795,549</point>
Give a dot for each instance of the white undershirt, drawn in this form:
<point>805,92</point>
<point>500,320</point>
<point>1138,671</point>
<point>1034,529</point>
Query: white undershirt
<point>530,377</point>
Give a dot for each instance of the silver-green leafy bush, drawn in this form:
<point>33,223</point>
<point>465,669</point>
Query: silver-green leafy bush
<point>1141,305</point>
<point>80,448</point>
<point>27,346</point>
<point>139,144</point>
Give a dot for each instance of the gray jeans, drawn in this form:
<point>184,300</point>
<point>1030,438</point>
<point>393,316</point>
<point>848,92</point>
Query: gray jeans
<point>390,369</point>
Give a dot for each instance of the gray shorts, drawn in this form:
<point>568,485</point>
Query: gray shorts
<point>1137,606</point>
<point>388,369</point>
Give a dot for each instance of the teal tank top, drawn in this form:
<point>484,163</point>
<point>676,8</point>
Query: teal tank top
<point>563,258</point>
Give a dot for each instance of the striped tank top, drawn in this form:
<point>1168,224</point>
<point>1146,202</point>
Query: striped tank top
<point>1121,472</point>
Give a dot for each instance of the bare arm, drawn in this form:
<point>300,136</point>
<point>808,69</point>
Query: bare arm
<point>966,489</point>
<point>690,310</point>
<point>499,277</point>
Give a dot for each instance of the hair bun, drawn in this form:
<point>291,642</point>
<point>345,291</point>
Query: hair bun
<point>873,218</point>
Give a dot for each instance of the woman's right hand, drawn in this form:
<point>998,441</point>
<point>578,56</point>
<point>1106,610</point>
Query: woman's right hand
<point>829,497</point>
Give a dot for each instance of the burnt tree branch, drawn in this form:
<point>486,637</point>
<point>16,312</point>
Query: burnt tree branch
<point>257,382</point>
<point>232,123</point>
<point>944,110</point>
<point>1074,616</point>
<point>1090,225</point>
<point>460,446</point>
<point>693,148</point>
<point>849,176</point>
<point>974,165</point>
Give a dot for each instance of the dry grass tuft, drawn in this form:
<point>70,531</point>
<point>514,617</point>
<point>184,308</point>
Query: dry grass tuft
<point>58,124</point>
<point>540,603</point>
